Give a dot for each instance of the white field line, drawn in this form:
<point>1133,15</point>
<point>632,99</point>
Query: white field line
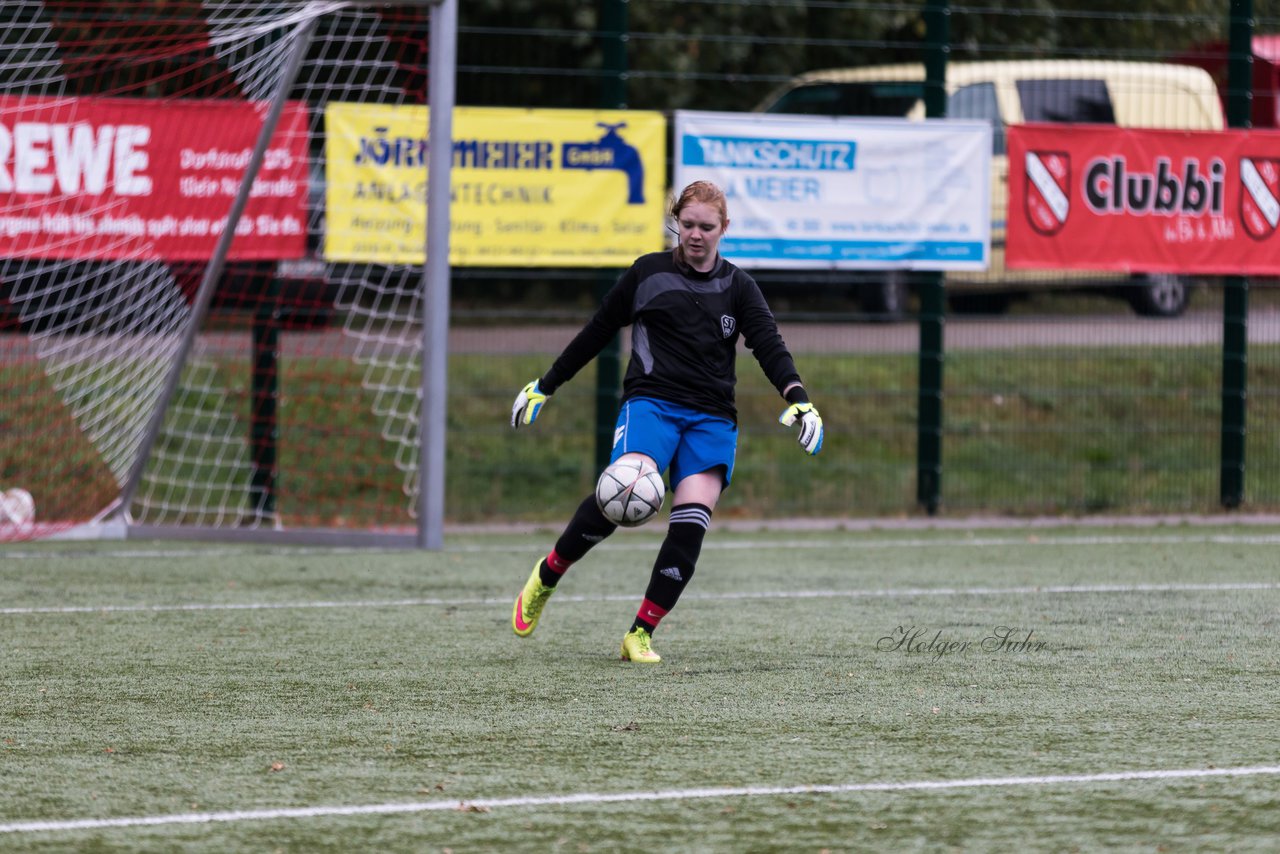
<point>1027,540</point>
<point>889,593</point>
<point>633,542</point>
<point>590,798</point>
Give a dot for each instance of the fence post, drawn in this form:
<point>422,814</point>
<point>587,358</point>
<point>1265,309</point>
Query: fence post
<point>933,295</point>
<point>264,405</point>
<point>613,96</point>
<point>1235,305</point>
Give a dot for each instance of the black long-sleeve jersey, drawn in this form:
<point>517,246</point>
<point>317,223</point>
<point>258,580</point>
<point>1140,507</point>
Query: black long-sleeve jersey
<point>686,326</point>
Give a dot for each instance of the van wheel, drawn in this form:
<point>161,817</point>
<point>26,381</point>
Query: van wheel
<point>1159,294</point>
<point>993,303</point>
<point>885,297</point>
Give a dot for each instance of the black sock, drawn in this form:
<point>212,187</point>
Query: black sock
<point>587,527</point>
<point>674,566</point>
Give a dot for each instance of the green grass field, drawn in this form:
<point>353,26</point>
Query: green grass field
<point>1043,431</point>
<point>162,697</point>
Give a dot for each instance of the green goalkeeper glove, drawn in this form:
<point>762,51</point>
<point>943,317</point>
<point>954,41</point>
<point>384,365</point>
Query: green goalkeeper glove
<point>810,425</point>
<point>527,406</point>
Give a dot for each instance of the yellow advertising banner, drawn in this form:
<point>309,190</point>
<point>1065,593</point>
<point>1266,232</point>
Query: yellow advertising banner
<point>550,188</point>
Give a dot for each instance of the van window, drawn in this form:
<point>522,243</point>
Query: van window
<point>892,99</point>
<point>978,101</point>
<point>1072,100</point>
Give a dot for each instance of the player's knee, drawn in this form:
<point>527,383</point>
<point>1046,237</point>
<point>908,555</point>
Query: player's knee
<point>703,488</point>
<point>636,456</point>
<point>644,461</point>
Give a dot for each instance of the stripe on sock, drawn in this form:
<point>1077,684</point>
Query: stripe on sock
<point>650,613</point>
<point>693,514</point>
<point>557,564</point>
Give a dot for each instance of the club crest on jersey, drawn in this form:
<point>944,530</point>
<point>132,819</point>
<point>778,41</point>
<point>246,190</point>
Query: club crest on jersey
<point>727,325</point>
<point>1047,201</point>
<point>1260,201</point>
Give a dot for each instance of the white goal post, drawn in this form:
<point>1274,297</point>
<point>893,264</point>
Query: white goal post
<point>183,353</point>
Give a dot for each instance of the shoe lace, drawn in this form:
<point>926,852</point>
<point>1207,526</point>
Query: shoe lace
<point>540,598</point>
<point>642,641</point>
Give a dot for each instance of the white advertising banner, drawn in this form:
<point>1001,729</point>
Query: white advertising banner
<point>821,193</point>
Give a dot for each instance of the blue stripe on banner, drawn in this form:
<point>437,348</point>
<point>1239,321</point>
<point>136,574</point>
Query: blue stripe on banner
<point>744,152</point>
<point>779,249</point>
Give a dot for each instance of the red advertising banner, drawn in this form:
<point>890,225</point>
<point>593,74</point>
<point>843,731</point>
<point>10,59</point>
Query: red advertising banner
<point>115,178</point>
<point>1152,201</point>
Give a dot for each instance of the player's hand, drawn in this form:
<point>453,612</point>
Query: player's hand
<point>527,406</point>
<point>810,425</point>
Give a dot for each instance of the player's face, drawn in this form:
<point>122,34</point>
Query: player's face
<point>700,233</point>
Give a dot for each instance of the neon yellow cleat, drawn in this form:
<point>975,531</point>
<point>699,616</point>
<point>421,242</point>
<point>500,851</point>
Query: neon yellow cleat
<point>635,647</point>
<point>530,602</point>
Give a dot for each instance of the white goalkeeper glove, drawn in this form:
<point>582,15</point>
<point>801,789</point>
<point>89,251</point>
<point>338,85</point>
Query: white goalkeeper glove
<point>527,406</point>
<point>810,425</point>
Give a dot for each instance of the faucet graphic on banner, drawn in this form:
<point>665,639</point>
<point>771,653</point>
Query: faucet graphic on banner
<point>611,151</point>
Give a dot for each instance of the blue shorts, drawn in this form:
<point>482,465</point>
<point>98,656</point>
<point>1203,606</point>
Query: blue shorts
<point>688,441</point>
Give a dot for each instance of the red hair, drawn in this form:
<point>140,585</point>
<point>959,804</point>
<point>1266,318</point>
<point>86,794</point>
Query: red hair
<point>706,193</point>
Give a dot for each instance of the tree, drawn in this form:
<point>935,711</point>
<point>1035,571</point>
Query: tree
<point>728,54</point>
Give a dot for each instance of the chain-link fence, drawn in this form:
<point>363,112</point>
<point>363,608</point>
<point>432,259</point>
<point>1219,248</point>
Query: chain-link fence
<point>1062,393</point>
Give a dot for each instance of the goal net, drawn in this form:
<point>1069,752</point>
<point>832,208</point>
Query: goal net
<point>127,131</point>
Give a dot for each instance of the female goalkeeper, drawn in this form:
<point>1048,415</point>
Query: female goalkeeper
<point>687,309</point>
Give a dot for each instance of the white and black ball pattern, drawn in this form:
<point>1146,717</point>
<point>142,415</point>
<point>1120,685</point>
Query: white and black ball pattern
<point>630,493</point>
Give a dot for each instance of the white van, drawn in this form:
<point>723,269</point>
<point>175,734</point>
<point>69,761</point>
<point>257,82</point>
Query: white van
<point>1130,94</point>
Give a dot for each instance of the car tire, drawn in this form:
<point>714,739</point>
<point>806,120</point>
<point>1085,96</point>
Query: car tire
<point>979,303</point>
<point>885,297</point>
<point>1159,294</point>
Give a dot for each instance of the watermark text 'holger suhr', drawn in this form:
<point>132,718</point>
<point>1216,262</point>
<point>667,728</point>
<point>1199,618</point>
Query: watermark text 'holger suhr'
<point>936,644</point>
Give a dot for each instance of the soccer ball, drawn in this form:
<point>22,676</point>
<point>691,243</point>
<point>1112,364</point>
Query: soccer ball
<point>630,493</point>
<point>17,507</point>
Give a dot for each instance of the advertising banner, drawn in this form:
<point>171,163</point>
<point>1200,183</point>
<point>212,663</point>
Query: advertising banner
<point>818,193</point>
<point>117,178</point>
<point>559,188</point>
<point>1152,201</point>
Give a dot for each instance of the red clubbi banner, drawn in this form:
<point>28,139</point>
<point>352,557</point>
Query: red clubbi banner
<point>115,178</point>
<point>1155,201</point>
